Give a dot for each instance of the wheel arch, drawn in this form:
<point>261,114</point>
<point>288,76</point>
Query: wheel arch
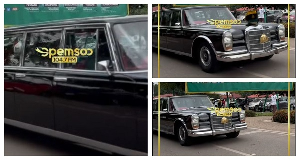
<point>197,40</point>
<point>177,123</point>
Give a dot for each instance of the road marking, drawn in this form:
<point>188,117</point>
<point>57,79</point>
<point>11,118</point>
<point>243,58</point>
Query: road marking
<point>234,151</point>
<point>265,130</point>
<point>253,73</point>
<point>251,132</point>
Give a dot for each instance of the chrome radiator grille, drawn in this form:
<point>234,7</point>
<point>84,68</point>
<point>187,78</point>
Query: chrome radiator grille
<point>253,39</point>
<point>217,125</point>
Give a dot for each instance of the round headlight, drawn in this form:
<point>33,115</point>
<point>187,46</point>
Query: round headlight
<point>227,41</point>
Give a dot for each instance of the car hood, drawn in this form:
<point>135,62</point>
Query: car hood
<point>238,31</point>
<point>191,111</point>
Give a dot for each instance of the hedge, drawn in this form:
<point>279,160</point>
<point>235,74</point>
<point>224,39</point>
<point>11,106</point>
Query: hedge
<point>282,116</point>
<point>250,113</point>
<point>292,29</point>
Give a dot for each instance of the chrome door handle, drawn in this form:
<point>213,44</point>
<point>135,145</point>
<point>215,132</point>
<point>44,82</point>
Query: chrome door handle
<point>20,75</point>
<point>60,79</point>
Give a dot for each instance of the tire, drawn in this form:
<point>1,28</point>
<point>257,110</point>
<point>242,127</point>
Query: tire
<point>233,134</point>
<point>267,57</point>
<point>182,135</point>
<point>206,58</point>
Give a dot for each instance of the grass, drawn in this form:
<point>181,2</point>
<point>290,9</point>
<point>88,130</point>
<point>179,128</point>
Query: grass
<point>264,113</point>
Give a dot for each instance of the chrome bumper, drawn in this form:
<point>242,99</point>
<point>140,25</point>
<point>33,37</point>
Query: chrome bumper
<point>236,127</point>
<point>240,55</point>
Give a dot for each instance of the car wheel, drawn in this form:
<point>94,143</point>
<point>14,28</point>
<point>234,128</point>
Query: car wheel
<point>233,134</point>
<point>183,137</point>
<point>207,58</point>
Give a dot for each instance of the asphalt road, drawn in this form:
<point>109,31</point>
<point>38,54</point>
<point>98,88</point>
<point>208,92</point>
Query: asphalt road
<point>176,66</point>
<point>18,142</point>
<point>250,142</point>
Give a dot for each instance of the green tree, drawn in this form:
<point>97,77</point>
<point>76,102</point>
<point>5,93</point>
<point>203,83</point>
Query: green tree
<point>138,9</point>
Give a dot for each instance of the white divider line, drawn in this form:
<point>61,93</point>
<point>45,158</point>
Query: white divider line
<point>234,151</point>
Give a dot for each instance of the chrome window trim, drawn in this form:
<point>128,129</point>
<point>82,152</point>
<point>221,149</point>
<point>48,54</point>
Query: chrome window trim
<point>112,47</point>
<point>97,145</point>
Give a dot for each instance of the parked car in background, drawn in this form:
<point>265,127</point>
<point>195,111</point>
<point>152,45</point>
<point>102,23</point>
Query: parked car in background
<point>266,103</point>
<point>274,16</point>
<point>283,104</point>
<point>284,17</point>
<point>254,105</point>
<point>241,15</point>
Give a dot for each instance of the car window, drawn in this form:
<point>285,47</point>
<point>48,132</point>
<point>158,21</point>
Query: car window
<point>81,39</point>
<point>155,105</point>
<point>154,18</point>
<point>176,18</point>
<point>132,41</point>
<point>37,49</point>
<point>166,18</point>
<point>12,49</point>
<point>164,105</point>
<point>86,41</point>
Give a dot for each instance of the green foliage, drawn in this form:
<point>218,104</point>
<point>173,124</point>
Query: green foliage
<point>281,116</point>
<point>292,29</point>
<point>138,9</point>
<point>250,113</point>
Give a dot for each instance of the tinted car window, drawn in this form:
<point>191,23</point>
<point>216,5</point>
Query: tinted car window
<point>165,18</point>
<point>154,19</point>
<point>37,45</point>
<point>175,21</point>
<point>12,49</point>
<point>132,40</point>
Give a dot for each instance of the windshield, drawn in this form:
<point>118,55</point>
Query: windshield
<point>132,39</point>
<point>201,15</point>
<point>185,103</point>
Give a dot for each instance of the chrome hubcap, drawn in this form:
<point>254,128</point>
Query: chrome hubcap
<point>181,133</point>
<point>205,56</point>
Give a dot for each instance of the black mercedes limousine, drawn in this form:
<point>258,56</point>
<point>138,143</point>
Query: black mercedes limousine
<point>82,80</point>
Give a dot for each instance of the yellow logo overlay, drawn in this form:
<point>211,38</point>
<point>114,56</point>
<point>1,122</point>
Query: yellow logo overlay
<point>264,38</point>
<point>224,23</point>
<point>64,55</point>
<point>224,111</point>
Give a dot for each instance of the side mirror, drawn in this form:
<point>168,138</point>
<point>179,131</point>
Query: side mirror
<point>104,64</point>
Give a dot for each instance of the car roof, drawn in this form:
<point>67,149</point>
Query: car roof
<point>183,96</point>
<point>193,7</point>
<point>88,20</point>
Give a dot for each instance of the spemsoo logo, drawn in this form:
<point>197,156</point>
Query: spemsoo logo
<point>66,55</point>
<point>224,23</point>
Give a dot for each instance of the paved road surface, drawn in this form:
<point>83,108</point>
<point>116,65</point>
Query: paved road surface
<point>252,141</point>
<point>175,66</point>
<point>18,142</point>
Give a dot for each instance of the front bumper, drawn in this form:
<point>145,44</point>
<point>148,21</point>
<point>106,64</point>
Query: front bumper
<point>205,132</point>
<point>240,55</point>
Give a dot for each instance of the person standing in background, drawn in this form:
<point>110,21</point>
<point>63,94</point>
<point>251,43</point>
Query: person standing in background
<point>274,102</point>
<point>261,14</point>
<point>284,97</point>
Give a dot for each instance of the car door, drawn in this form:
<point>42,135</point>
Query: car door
<point>89,102</point>
<point>175,32</point>
<point>13,46</point>
<point>33,81</point>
